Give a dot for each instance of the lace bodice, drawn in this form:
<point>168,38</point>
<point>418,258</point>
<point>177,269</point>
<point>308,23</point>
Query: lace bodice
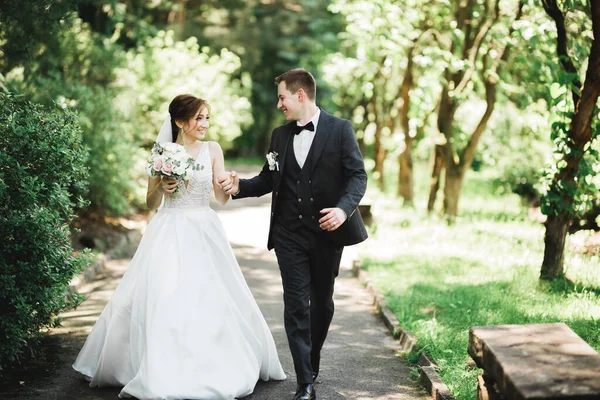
<point>199,187</point>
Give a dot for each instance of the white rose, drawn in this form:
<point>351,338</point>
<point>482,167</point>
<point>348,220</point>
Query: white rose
<point>170,147</point>
<point>182,157</point>
<point>179,170</point>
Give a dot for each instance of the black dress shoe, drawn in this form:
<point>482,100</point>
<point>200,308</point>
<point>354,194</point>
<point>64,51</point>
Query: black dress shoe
<point>305,391</point>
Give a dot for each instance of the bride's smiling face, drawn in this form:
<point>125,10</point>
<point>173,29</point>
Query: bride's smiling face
<point>197,126</point>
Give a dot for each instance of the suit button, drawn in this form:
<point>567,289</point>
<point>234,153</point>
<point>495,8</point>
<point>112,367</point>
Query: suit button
<point>276,193</point>
<point>299,200</point>
<point>313,217</point>
<point>298,182</point>
<point>309,181</point>
<point>300,216</point>
<point>272,214</point>
<point>311,199</point>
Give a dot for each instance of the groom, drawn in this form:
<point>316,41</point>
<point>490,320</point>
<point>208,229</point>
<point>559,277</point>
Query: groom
<point>316,173</point>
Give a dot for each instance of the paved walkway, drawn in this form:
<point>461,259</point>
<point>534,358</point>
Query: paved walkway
<point>358,361</point>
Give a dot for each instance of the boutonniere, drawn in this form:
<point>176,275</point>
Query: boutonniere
<point>272,159</point>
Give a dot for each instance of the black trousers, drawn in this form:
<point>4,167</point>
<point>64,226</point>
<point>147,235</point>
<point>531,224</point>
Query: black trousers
<point>309,264</point>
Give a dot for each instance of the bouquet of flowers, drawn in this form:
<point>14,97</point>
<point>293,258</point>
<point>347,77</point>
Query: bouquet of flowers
<point>170,159</point>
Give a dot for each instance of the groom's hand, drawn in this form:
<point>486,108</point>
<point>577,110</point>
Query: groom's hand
<point>332,218</point>
<point>230,183</point>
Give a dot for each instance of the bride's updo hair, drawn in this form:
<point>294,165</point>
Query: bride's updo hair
<point>182,108</point>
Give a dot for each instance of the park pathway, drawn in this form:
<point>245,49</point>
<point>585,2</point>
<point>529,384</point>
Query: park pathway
<point>359,359</point>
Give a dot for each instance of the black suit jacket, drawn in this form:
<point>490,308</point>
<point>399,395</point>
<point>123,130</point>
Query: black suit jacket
<point>337,175</point>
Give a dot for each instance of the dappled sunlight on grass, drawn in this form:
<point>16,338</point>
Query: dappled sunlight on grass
<point>441,280</point>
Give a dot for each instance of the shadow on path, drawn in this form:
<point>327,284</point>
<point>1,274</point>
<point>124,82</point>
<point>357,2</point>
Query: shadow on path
<point>358,361</point>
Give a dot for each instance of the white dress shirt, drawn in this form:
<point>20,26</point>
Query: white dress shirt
<point>304,139</point>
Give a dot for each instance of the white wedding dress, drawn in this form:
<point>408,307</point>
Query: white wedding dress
<point>182,323</point>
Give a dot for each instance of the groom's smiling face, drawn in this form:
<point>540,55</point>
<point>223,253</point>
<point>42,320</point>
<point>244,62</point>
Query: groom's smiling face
<point>288,102</point>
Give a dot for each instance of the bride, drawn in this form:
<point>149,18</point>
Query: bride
<point>182,323</point>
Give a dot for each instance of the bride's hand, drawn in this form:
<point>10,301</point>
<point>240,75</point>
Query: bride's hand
<point>168,184</point>
<point>229,183</point>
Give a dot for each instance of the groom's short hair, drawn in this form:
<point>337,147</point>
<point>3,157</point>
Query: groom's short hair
<point>299,78</point>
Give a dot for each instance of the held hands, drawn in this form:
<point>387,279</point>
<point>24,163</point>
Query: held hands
<point>230,183</point>
<point>333,218</point>
<point>168,184</point>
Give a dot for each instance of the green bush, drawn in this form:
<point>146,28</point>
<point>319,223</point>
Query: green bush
<point>164,68</point>
<point>112,152</point>
<point>42,180</point>
<point>76,72</point>
<point>517,148</point>
<point>121,97</point>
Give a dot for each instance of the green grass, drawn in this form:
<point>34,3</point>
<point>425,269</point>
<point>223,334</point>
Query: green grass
<point>441,280</point>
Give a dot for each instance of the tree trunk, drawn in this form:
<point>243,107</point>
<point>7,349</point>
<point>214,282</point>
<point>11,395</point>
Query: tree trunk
<point>475,31</point>
<point>181,17</point>
<point>405,176</point>
<point>379,156</point>
<point>176,19</point>
<point>381,120</point>
<point>564,182</point>
<point>380,152</point>
<point>452,188</point>
<point>364,103</point>
<point>177,13</point>
<point>405,163</point>
<point>445,119</point>
<point>455,172</point>
<point>438,162</point>
<point>554,246</point>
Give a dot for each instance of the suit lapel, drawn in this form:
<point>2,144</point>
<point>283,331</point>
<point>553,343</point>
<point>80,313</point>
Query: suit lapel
<point>288,133</point>
<point>321,136</point>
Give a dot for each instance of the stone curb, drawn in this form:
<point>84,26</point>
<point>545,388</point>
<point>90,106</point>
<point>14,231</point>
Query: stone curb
<point>432,381</point>
<point>428,375</point>
<point>88,274</point>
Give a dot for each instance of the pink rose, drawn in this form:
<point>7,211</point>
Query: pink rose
<point>167,168</point>
<point>158,165</point>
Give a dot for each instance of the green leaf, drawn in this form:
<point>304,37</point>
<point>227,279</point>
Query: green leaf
<point>557,90</point>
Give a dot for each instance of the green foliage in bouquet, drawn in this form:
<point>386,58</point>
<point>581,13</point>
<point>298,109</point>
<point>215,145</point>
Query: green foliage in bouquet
<point>42,180</point>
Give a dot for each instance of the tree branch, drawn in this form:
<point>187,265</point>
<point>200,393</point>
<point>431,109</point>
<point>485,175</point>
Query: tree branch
<point>490,99</point>
<point>490,83</point>
<point>477,46</point>
<point>554,12</point>
<point>581,127</point>
<point>503,54</point>
<point>465,24</point>
<point>404,92</point>
<point>421,128</point>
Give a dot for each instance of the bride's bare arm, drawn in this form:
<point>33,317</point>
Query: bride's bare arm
<point>155,193</point>
<point>216,155</point>
<point>157,187</point>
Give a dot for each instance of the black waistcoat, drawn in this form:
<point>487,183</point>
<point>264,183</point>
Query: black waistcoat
<point>296,207</point>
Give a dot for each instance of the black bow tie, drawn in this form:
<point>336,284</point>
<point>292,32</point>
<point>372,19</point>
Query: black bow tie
<point>298,128</point>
